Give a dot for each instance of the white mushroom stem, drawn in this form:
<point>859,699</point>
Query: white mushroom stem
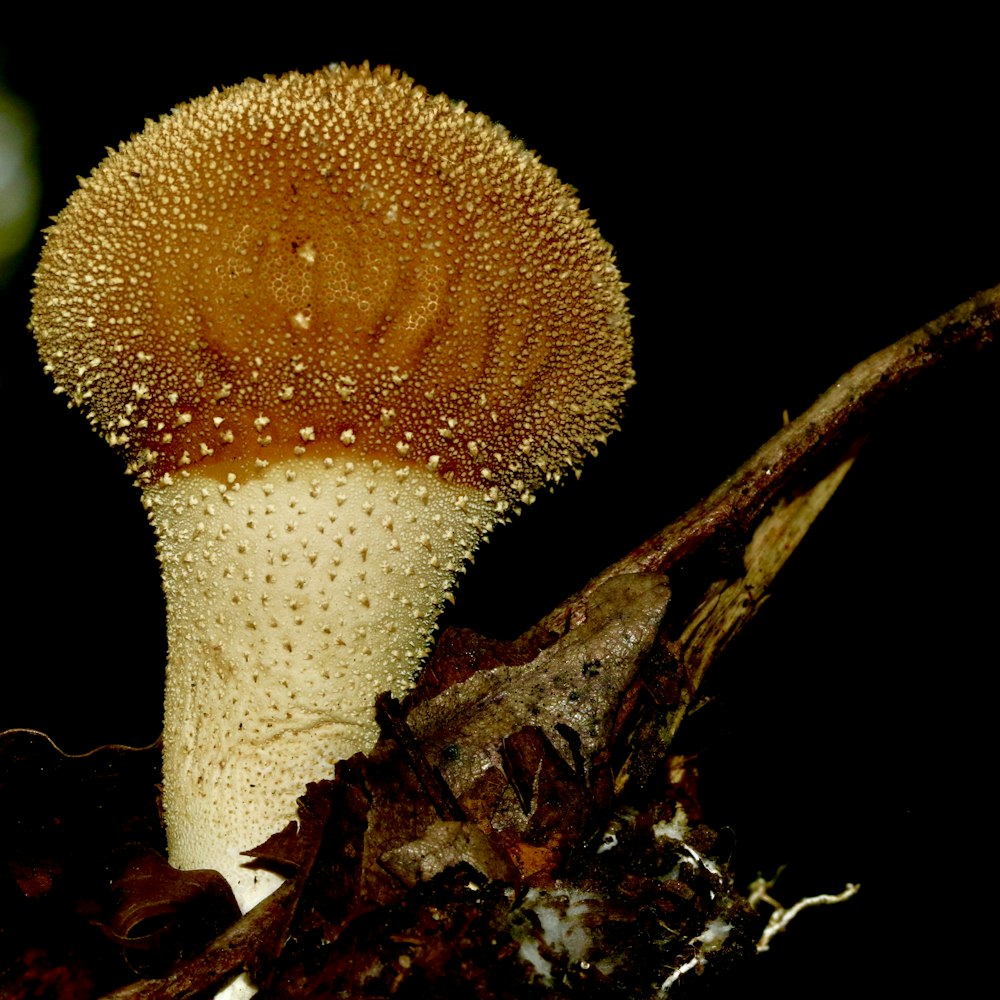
<point>293,598</point>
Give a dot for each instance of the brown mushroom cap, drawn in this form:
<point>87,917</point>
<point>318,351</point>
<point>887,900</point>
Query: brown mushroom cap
<point>337,257</point>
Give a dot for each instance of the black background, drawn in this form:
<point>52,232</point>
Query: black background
<point>784,198</point>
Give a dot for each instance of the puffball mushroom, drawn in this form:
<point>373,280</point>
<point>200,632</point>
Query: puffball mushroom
<point>339,329</point>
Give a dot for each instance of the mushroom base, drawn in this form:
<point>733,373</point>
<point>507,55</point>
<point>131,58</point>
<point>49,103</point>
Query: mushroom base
<point>293,598</point>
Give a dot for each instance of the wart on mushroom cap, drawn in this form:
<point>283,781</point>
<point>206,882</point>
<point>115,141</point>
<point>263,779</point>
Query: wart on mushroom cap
<point>339,328</point>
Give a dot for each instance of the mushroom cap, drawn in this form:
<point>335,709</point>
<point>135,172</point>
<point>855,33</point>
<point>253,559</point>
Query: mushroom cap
<point>335,257</point>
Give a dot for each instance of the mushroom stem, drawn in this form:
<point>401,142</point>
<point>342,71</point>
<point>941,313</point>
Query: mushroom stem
<point>293,598</point>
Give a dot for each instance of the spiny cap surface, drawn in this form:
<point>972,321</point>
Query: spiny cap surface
<point>337,258</point>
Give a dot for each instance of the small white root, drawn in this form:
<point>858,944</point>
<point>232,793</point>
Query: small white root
<point>782,916</point>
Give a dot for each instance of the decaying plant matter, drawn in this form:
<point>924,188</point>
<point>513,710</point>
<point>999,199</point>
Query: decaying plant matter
<point>523,826</point>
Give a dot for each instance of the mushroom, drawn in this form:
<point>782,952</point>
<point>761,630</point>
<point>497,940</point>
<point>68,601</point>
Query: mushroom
<point>339,329</point>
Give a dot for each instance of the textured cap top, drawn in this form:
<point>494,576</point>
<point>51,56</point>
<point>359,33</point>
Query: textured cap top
<point>335,261</point>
